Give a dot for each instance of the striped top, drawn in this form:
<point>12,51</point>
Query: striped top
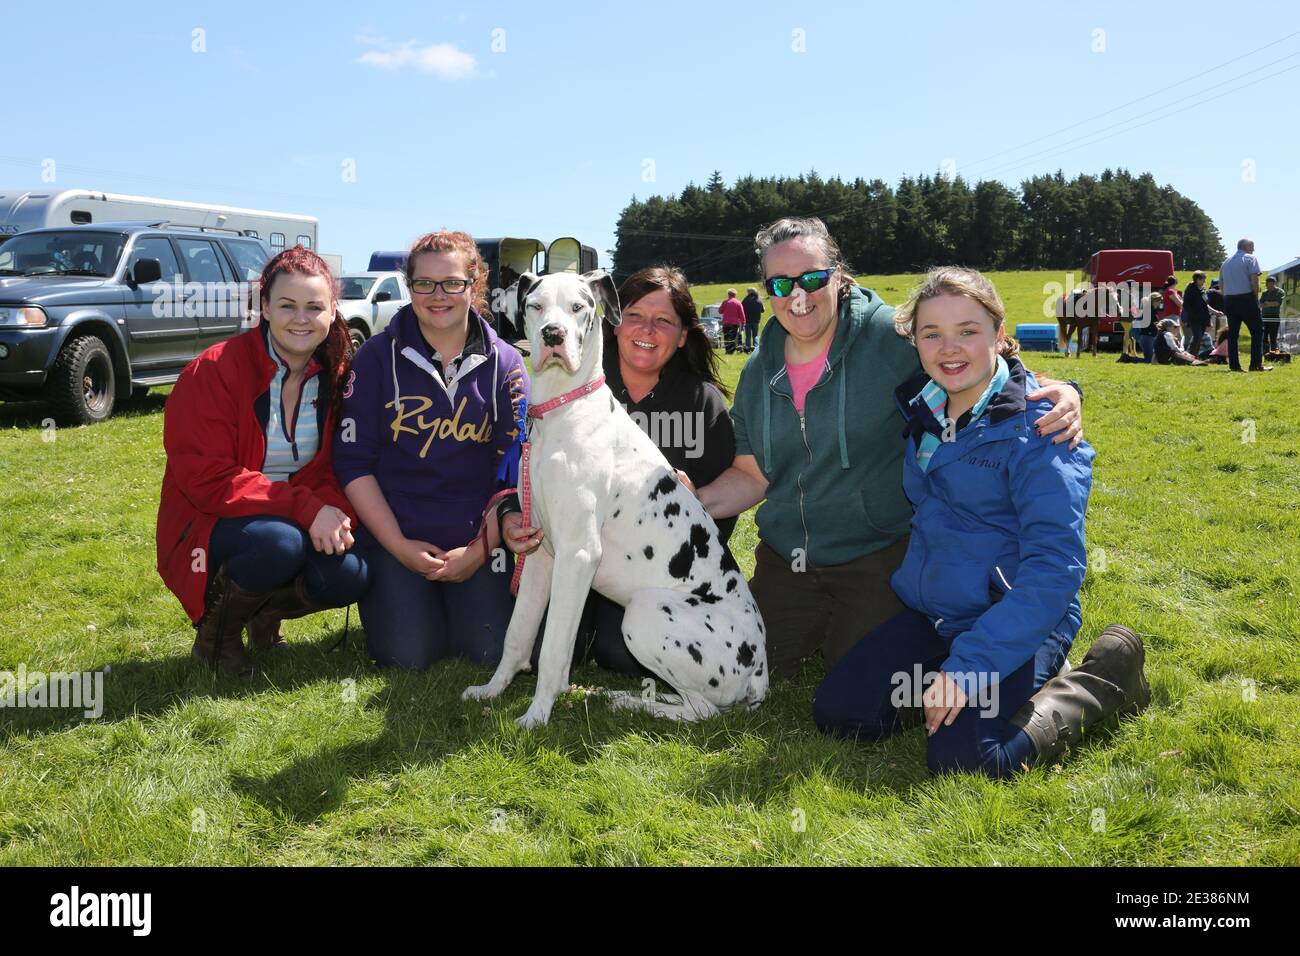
<point>290,444</point>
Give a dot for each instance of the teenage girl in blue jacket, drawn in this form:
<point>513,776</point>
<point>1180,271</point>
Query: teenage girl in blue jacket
<point>993,568</point>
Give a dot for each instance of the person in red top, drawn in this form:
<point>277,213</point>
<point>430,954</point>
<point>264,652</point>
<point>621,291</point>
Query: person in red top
<point>252,526</point>
<point>733,319</point>
<point>1172,302</point>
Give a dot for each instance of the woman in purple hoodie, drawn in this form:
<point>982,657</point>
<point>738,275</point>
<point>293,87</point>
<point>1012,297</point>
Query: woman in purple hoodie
<point>432,424</point>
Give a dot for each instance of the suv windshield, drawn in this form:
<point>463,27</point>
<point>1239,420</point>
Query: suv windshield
<point>73,253</point>
<point>355,287</point>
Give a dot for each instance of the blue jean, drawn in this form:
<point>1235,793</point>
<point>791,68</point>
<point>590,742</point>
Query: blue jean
<point>411,622</point>
<point>262,553</point>
<point>854,699</point>
<point>1148,343</point>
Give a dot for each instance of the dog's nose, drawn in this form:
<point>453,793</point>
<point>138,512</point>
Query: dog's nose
<point>553,335</point>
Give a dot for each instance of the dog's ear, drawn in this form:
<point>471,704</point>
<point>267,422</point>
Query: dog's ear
<point>526,282</point>
<point>602,287</point>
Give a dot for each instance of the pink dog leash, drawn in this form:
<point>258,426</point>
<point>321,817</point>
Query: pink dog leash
<point>525,485</point>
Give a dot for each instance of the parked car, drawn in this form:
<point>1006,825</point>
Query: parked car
<point>711,319</point>
<point>369,300</point>
<point>91,314</point>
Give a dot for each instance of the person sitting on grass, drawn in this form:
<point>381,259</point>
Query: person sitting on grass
<point>253,528</point>
<point>991,578</point>
<point>1219,354</point>
<point>1168,349</point>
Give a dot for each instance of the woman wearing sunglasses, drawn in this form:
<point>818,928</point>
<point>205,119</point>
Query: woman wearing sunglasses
<point>433,418</point>
<point>817,436</point>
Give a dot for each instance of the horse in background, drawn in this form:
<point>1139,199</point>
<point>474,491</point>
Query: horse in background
<point>1084,308</point>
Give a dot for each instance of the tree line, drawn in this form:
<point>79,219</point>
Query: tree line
<point>1048,223</point>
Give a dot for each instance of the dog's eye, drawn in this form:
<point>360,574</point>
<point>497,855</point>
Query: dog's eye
<point>534,305</point>
<point>577,307</point>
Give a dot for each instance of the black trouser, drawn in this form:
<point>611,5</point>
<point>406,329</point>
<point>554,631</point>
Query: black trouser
<point>1270,334</point>
<point>1242,310</point>
<point>730,337</point>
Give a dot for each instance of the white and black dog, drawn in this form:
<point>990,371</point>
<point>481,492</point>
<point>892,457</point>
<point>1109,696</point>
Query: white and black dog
<point>616,518</point>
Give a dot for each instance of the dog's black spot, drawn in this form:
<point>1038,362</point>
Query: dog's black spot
<point>745,655</point>
<point>680,566</point>
<point>665,486</point>
<point>722,670</point>
<point>705,594</point>
<point>693,602</point>
<point>759,672</point>
<point>649,552</point>
<point>695,653</point>
<point>678,643</point>
<point>709,626</point>
<point>672,509</point>
<point>728,643</point>
<point>731,585</point>
<point>616,513</point>
<point>760,627</point>
<point>666,609</point>
<point>713,682</point>
<point>629,557</point>
<point>728,562</point>
<point>700,540</point>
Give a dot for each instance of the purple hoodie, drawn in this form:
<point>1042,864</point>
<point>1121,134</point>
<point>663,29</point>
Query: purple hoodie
<point>438,452</point>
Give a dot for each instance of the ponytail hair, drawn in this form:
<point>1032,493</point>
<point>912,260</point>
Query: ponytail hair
<point>955,280</point>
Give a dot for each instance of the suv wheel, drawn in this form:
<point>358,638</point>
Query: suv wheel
<point>358,336</point>
<point>81,386</point>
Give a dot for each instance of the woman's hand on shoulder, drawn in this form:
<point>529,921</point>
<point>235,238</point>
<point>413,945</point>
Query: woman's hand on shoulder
<point>1065,420</point>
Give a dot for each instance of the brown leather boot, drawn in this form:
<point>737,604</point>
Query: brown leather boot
<point>285,604</point>
<point>1108,683</point>
<point>219,641</point>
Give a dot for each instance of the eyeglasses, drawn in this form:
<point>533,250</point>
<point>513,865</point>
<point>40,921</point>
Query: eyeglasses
<point>449,286</point>
<point>782,286</point>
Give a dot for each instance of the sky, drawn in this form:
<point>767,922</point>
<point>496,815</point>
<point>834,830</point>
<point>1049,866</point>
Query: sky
<point>389,120</point>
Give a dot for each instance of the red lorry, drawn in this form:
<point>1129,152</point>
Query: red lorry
<point>1135,274</point>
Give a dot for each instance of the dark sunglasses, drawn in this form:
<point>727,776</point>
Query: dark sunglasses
<point>781,286</point>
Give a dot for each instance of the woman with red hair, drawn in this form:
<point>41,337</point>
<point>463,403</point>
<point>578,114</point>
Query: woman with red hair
<point>432,427</point>
<point>252,526</point>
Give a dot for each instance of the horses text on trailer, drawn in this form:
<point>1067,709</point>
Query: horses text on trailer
<point>24,211</point>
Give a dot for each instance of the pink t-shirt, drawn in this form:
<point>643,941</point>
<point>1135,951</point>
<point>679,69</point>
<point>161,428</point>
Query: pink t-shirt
<point>804,376</point>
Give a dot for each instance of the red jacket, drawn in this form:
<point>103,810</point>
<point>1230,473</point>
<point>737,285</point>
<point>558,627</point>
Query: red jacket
<point>733,313</point>
<point>214,433</point>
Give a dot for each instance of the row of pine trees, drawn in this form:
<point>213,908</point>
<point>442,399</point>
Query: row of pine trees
<point>1048,223</point>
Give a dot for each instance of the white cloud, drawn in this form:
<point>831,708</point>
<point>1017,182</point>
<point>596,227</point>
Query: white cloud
<point>445,60</point>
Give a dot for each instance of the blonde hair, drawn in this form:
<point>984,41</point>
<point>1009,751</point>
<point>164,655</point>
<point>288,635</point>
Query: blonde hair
<point>954,280</point>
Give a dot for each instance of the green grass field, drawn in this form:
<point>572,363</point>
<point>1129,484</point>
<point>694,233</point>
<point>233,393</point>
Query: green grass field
<point>324,760</point>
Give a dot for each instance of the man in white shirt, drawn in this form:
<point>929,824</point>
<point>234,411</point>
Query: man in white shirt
<point>1240,278</point>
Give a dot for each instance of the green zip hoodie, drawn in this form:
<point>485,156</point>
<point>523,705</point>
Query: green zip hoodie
<point>835,477</point>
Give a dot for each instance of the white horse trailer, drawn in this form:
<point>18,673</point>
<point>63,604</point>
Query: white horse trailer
<point>22,211</point>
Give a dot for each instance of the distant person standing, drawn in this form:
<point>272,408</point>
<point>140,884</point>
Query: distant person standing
<point>1240,276</point>
<point>1215,297</point>
<point>733,319</point>
<point>753,306</point>
<point>1173,302</point>
<point>1270,307</point>
<point>1196,313</point>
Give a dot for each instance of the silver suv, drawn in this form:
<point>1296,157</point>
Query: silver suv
<point>90,315</point>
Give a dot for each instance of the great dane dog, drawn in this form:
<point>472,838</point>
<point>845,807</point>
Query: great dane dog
<point>615,517</point>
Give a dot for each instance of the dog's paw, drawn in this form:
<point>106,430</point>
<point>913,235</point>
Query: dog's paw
<point>481,692</point>
<point>535,716</point>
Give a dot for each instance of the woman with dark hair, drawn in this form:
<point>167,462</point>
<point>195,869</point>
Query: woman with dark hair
<point>660,364</point>
<point>432,429</point>
<point>252,527</point>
